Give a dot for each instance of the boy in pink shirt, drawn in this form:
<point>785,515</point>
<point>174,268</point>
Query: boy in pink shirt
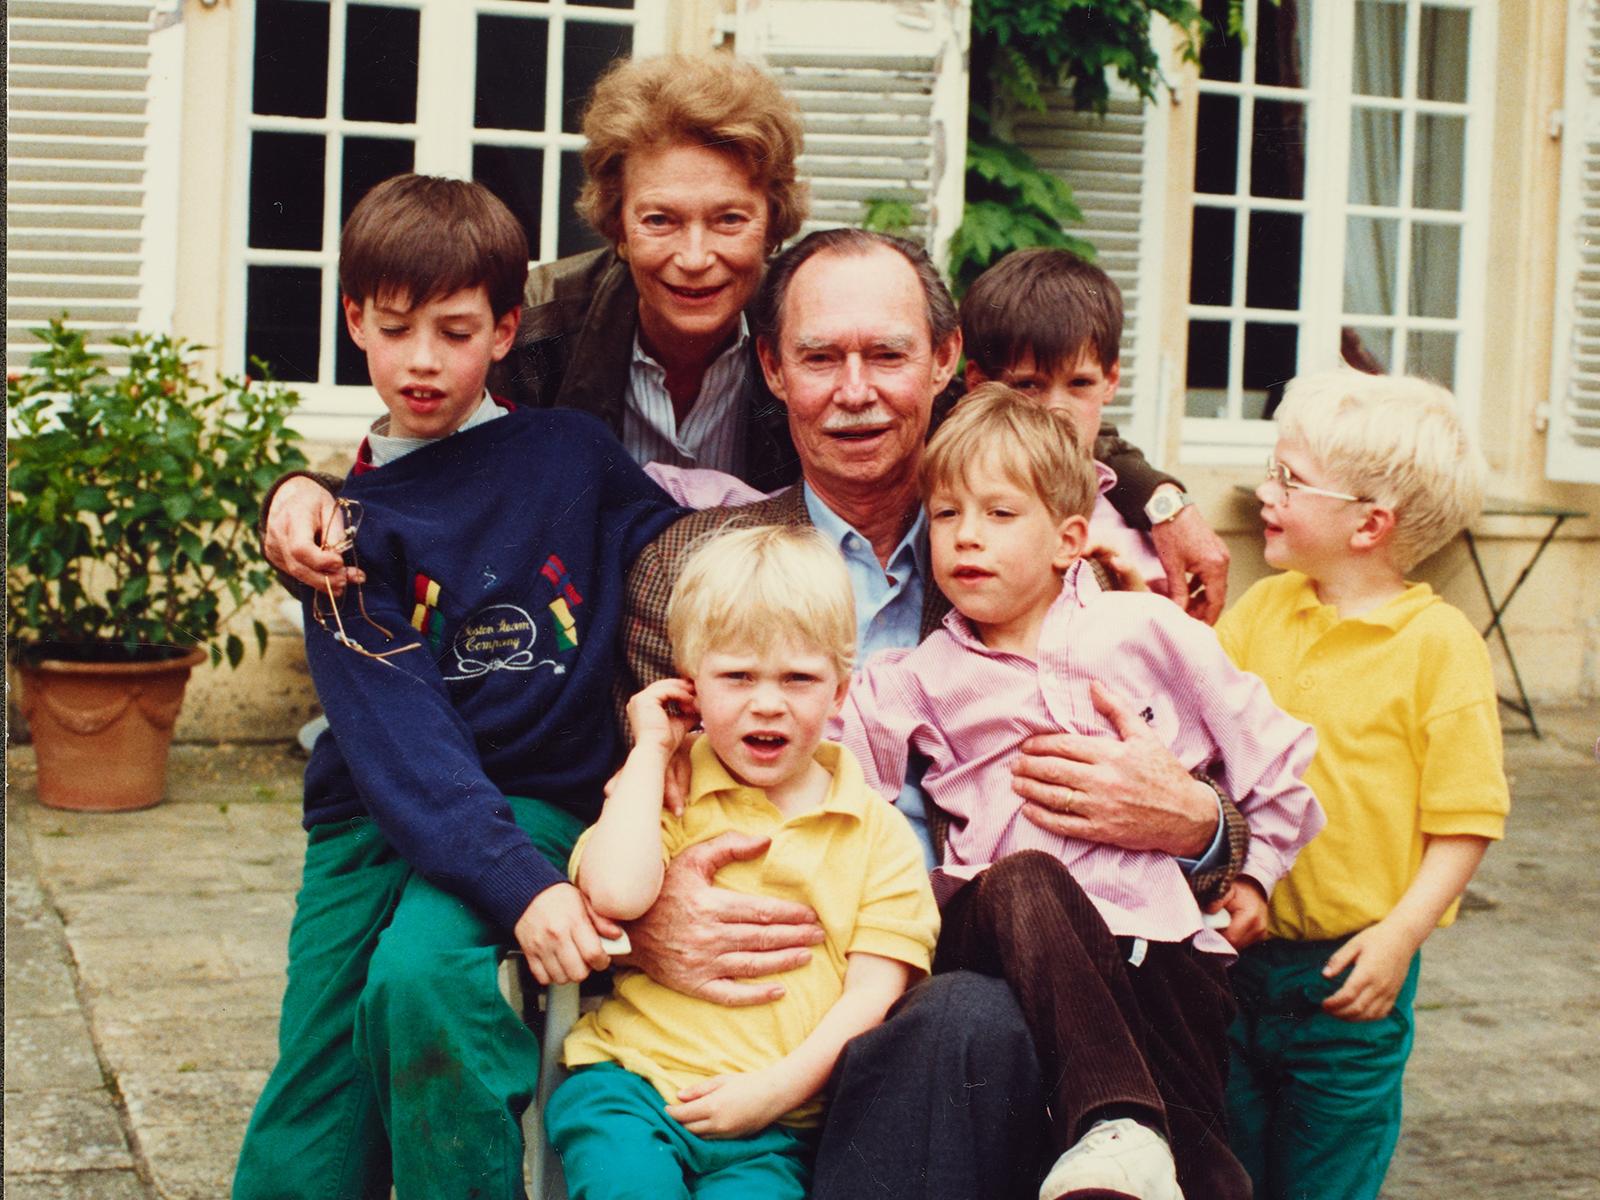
<point>1119,977</point>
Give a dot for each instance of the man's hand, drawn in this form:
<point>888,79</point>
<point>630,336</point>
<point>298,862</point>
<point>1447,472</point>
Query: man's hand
<point>303,519</point>
<point>1382,957</point>
<point>1128,791</point>
<point>1246,906</point>
<point>1187,546</point>
<point>728,1106</point>
<point>560,936</point>
<point>700,940</point>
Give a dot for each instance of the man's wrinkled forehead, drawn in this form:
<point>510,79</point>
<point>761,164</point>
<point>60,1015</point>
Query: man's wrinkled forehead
<point>807,276</point>
<point>899,343</point>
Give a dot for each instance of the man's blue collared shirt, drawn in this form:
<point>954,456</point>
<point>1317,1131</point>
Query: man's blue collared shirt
<point>888,615</point>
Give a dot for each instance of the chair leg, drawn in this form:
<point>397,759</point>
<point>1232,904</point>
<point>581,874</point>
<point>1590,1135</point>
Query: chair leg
<point>541,1165</point>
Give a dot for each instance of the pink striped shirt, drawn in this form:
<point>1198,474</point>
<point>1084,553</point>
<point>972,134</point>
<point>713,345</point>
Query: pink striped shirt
<point>966,708</point>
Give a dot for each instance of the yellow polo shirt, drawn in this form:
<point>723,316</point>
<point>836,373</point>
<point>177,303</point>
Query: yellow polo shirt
<point>854,860</point>
<point>1408,741</point>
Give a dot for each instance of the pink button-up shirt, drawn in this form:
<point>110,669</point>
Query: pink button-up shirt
<point>967,707</point>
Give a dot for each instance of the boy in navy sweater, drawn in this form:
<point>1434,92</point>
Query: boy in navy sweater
<point>467,682</point>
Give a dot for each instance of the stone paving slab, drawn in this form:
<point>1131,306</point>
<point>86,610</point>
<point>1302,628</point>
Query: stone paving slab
<point>149,948</point>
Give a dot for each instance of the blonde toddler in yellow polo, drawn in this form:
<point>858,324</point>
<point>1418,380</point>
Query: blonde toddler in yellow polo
<point>762,623</point>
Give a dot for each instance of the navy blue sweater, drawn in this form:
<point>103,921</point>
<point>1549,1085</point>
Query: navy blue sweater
<point>502,553</point>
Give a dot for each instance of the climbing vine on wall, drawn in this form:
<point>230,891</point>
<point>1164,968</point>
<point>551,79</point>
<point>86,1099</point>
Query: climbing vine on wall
<point>1022,50</point>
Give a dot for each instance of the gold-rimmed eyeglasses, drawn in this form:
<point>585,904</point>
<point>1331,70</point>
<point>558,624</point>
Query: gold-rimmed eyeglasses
<point>1280,474</point>
<point>345,544</point>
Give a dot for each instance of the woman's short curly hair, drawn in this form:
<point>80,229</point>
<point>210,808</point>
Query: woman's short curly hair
<point>711,100</point>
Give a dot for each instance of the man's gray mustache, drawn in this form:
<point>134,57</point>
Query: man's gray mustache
<point>861,420</point>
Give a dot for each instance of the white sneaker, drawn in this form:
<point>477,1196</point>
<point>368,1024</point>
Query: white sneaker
<point>1117,1158</point>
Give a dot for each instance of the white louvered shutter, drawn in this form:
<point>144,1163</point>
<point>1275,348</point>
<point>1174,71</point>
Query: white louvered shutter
<point>1573,451</point>
<point>78,136</point>
<point>882,86</point>
<point>1115,167</point>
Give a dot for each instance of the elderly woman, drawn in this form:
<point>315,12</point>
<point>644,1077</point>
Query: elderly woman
<point>691,179</point>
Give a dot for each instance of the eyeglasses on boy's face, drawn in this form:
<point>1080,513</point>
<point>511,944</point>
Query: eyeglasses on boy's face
<point>350,511</point>
<point>1280,474</point>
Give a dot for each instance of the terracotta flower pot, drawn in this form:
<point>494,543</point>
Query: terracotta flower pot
<point>101,730</point>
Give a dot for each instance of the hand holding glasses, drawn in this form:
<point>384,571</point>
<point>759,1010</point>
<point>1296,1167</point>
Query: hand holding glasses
<point>350,511</point>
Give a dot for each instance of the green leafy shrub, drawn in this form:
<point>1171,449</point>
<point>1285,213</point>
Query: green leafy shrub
<point>131,498</point>
<point>1021,50</point>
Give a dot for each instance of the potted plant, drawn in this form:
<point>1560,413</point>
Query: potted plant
<point>131,497</point>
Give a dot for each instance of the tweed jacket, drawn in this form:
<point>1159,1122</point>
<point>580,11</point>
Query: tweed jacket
<point>648,651</point>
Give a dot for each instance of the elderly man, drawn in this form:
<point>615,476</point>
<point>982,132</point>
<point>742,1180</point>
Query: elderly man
<point>857,336</point>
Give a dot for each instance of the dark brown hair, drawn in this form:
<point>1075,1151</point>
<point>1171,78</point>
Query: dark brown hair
<point>419,237</point>
<point>1048,303</point>
<point>710,100</point>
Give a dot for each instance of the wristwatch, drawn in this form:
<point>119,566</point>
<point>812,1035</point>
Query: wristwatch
<point>1165,505</point>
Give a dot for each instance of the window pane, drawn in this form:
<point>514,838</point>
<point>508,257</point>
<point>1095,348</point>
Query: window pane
<point>1282,43</point>
<point>291,58</point>
<point>286,190</point>
<point>1432,355</point>
<point>380,64</point>
<point>515,175</point>
<point>511,73</point>
<point>1380,48</point>
<point>1207,376</point>
<point>1435,269</point>
<point>573,235</point>
<point>369,161</point>
<point>1211,260</point>
<point>1442,71</point>
<point>1441,159</point>
<point>1216,154</point>
<point>1222,56</point>
<point>281,305</point>
<point>1374,157</point>
<point>1269,363</point>
<point>590,49</point>
<point>1367,349</point>
<point>1371,251</point>
<point>1278,152</point>
<point>607,3</point>
<point>1272,274</point>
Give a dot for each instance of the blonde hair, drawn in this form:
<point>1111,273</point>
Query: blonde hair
<point>1038,449</point>
<point>1396,439</point>
<point>744,588</point>
<point>711,100</point>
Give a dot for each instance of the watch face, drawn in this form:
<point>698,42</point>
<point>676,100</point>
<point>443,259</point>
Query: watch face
<point>1163,507</point>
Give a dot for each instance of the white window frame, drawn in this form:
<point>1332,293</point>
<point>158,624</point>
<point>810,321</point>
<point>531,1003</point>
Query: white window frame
<point>1236,440</point>
<point>443,135</point>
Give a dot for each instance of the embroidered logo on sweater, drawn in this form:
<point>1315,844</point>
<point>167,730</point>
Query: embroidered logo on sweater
<point>498,638</point>
<point>426,617</point>
<point>561,607</point>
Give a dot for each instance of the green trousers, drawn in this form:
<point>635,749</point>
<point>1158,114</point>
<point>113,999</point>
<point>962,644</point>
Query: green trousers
<point>397,1057</point>
<point>617,1143</point>
<point>1313,1101</point>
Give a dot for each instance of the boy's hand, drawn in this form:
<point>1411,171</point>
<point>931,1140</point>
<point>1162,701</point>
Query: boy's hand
<point>305,519</point>
<point>560,935</point>
<point>662,714</point>
<point>726,1106</point>
<point>1246,906</point>
<point>1382,957</point>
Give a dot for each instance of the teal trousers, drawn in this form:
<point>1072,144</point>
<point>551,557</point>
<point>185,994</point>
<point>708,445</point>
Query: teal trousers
<point>617,1143</point>
<point>1313,1101</point>
<point>398,1060</point>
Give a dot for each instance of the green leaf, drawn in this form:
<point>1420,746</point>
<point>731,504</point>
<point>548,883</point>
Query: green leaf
<point>261,637</point>
<point>235,650</point>
<point>178,506</point>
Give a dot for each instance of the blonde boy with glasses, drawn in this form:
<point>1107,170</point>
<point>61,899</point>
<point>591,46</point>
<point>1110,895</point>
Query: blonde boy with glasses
<point>1370,475</point>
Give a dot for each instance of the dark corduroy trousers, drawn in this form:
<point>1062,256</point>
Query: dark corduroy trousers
<point>1148,1041</point>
